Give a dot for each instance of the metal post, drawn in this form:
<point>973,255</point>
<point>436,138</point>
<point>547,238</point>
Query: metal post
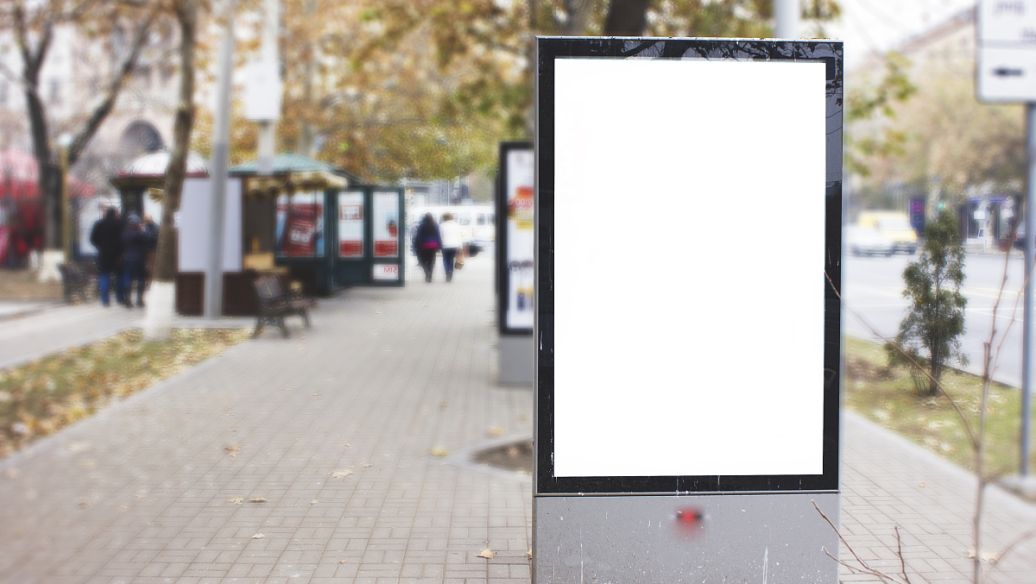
<point>66,206</point>
<point>270,54</point>
<point>218,172</point>
<point>1030,255</point>
<point>786,15</point>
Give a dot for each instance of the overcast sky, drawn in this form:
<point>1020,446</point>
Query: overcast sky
<point>879,25</point>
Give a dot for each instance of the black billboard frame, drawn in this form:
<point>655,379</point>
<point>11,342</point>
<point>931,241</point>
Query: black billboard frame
<point>548,50</point>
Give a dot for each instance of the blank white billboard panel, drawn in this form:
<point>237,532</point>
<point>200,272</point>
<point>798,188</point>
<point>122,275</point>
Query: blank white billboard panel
<point>689,214</point>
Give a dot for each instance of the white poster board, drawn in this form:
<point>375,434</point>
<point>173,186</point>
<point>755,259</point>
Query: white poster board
<point>521,239</point>
<point>350,224</point>
<point>688,267</point>
<point>385,221</point>
<point>193,221</point>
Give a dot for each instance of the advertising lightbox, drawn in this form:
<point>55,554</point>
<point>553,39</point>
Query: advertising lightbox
<point>688,326</point>
<point>688,252</point>
<point>300,224</point>
<point>386,224</point>
<point>516,239</point>
<point>350,224</point>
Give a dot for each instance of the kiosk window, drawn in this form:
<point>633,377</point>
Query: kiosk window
<point>300,225</point>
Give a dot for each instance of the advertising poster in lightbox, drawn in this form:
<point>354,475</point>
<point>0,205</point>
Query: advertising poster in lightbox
<point>521,239</point>
<point>350,224</point>
<point>300,225</point>
<point>386,224</point>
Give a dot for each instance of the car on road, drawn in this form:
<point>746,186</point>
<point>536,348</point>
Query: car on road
<point>868,241</point>
<point>893,225</point>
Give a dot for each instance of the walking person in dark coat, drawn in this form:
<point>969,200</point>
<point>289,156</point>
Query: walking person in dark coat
<point>137,243</point>
<point>427,242</point>
<point>106,236</point>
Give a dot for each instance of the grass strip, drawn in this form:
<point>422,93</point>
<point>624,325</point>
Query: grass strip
<point>40,397</point>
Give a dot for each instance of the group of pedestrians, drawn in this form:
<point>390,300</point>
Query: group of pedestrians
<point>430,238</point>
<point>123,250</point>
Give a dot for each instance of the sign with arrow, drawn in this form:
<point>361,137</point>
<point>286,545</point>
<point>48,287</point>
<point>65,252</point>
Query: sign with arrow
<point>1007,51</point>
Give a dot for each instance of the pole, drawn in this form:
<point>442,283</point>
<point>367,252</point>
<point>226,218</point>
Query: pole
<point>66,206</point>
<point>218,171</point>
<point>270,54</point>
<point>786,15</point>
<point>1030,255</point>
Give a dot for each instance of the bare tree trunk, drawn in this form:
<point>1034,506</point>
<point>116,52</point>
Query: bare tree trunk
<point>162,300</point>
<point>626,18</point>
<point>47,167</point>
<point>578,12</point>
<point>33,56</point>
<point>530,48</point>
<point>935,373</point>
<point>165,256</point>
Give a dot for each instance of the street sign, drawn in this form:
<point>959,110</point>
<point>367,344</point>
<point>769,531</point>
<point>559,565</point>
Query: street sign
<point>1007,21</point>
<point>1007,51</point>
<point>687,372</point>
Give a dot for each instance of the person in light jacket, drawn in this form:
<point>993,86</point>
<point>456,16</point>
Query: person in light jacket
<point>452,242</point>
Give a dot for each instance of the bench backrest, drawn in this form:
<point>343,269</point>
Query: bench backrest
<point>71,272</point>
<point>268,289</point>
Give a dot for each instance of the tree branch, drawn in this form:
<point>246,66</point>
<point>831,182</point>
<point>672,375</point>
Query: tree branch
<point>863,564</point>
<point>93,122</point>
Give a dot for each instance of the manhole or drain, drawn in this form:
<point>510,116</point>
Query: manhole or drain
<point>513,456</point>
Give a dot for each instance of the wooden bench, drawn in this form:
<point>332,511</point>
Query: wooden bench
<point>275,301</point>
<point>76,282</point>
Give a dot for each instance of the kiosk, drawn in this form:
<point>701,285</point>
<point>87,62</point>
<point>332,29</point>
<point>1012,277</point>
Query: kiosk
<point>688,326</point>
<point>323,225</point>
<point>515,274</point>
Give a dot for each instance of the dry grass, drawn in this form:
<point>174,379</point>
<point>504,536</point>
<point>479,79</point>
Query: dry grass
<point>41,397</point>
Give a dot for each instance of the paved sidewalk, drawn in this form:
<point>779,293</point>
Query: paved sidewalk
<point>53,328</point>
<point>334,430</point>
<point>17,308</point>
<point>56,328</point>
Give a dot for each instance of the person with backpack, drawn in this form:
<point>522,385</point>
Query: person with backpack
<point>426,244</point>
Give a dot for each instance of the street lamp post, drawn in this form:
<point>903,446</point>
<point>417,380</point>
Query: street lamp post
<point>213,292</point>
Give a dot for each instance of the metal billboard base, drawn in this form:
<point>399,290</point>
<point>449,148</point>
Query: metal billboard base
<point>516,356</point>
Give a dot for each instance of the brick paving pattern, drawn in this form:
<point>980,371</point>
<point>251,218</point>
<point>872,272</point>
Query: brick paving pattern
<point>339,432</point>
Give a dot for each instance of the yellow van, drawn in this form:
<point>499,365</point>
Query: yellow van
<point>894,226</point>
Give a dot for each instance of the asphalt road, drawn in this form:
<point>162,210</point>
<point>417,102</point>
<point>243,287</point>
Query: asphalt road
<point>873,291</point>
